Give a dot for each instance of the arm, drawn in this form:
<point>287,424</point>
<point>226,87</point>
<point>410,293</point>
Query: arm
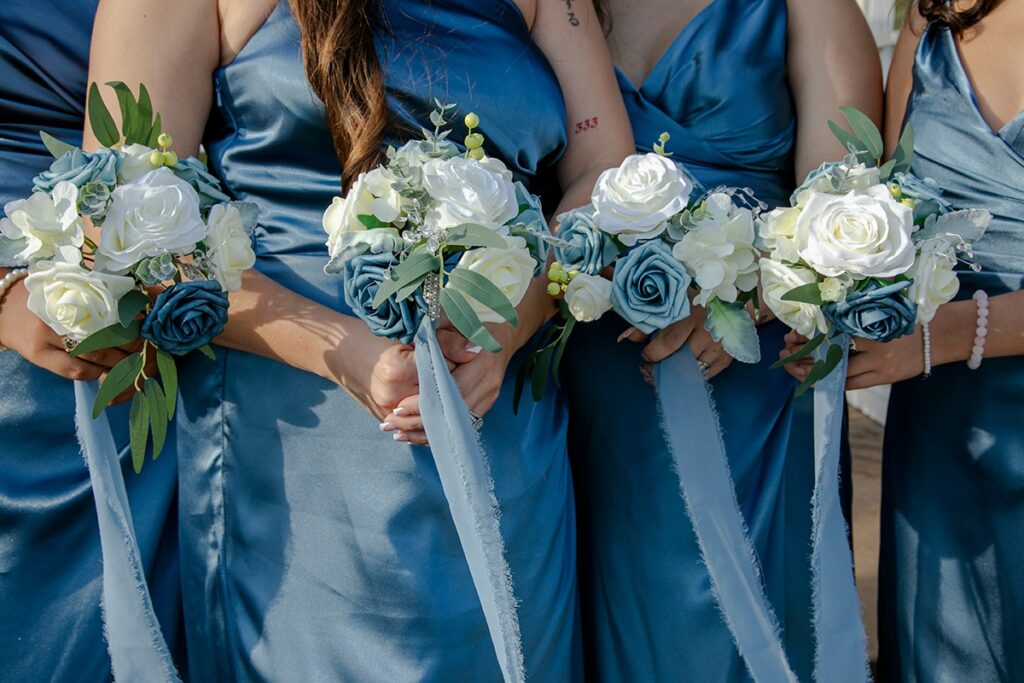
<point>174,48</point>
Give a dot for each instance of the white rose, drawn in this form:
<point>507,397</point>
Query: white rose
<point>778,228</point>
<point>863,233</point>
<point>935,282</point>
<point>833,289</point>
<point>718,251</point>
<point>155,214</point>
<point>387,205</point>
<point>230,248</point>
<point>588,297</point>
<point>636,200</point>
<point>342,216</point>
<point>509,269</point>
<point>410,157</point>
<point>74,301</point>
<point>45,222</point>
<point>135,163</point>
<point>469,191</point>
<point>838,178</point>
<point>778,279</point>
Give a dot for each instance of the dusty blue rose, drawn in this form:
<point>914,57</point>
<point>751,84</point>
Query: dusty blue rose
<point>649,287</point>
<point>396,320</point>
<point>530,225</point>
<point>926,193</point>
<point>187,316</point>
<point>80,168</point>
<point>589,250</point>
<point>877,312</point>
<point>194,172</point>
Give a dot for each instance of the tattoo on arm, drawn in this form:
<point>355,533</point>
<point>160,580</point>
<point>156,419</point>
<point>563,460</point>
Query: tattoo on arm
<point>573,19</point>
<point>585,125</point>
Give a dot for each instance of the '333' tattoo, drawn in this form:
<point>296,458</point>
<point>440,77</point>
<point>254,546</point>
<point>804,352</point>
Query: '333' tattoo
<point>585,125</point>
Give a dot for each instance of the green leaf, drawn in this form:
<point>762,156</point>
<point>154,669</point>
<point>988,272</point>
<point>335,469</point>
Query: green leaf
<point>145,115</point>
<point>130,305</point>
<point>55,147</point>
<point>208,352</point>
<point>109,337</point>
<point>466,320</point>
<point>885,171</point>
<point>563,342</point>
<point>416,265</point>
<point>475,285</point>
<point>846,139</point>
<point>904,153</point>
<point>158,418</point>
<point>103,126</point>
<point>521,375</point>
<point>138,430</point>
<point>120,377</point>
<point>414,284</point>
<point>821,369</point>
<point>805,294</point>
<point>865,129</point>
<point>733,327</point>
<point>472,235</point>
<point>539,377</point>
<point>804,351</point>
<point>371,221</point>
<point>155,133</point>
<point>169,374</point>
<point>129,110</point>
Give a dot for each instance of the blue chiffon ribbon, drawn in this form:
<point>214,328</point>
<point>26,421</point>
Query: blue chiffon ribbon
<point>693,436</point>
<point>138,651</point>
<point>466,480</point>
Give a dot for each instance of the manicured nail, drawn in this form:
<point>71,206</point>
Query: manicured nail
<point>474,348</point>
<point>400,411</point>
<point>400,436</point>
<point>625,334</point>
<point>386,427</point>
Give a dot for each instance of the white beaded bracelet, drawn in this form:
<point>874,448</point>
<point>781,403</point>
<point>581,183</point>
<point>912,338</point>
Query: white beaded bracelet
<point>978,350</point>
<point>6,282</point>
<point>927,339</point>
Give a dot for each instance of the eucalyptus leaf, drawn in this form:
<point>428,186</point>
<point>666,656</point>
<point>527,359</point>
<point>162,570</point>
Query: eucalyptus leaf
<point>416,265</point>
<point>801,353</point>
<point>138,430</point>
<point>57,148</point>
<point>563,342</point>
<point>478,287</point>
<point>169,374</point>
<point>886,170</point>
<point>805,294</point>
<point>103,126</point>
<point>466,321</point>
<point>408,290</point>
<point>154,134</point>
<point>730,325</point>
<point>539,376</point>
<point>904,153</point>
<point>158,417</point>
<point>208,352</point>
<point>473,235</point>
<point>865,129</point>
<point>109,337</point>
<point>130,305</point>
<point>850,142</point>
<point>372,222</point>
<point>120,377</point>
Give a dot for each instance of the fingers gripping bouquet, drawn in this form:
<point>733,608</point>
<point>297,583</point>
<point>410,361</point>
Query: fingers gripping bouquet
<point>866,250</point>
<point>436,231</point>
<point>170,246</point>
<point>669,243</point>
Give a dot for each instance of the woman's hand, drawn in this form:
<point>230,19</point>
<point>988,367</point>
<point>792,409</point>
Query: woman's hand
<point>690,330</point>
<point>874,363</point>
<point>798,369</point>
<point>22,331</point>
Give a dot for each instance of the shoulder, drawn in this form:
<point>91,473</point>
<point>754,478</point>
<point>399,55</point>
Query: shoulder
<point>239,21</point>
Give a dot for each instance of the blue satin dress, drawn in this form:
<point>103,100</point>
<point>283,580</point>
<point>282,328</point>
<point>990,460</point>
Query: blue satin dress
<point>951,586</point>
<point>50,570</point>
<point>721,92</point>
<point>316,548</point>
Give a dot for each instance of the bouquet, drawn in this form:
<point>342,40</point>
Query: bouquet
<point>436,231</point>
<point>866,249</point>
<point>170,246</point>
<point>666,239</point>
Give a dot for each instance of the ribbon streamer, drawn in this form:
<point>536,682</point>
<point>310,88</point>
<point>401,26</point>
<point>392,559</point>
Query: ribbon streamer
<point>693,437</point>
<point>138,651</point>
<point>466,480</point>
<point>841,644</point>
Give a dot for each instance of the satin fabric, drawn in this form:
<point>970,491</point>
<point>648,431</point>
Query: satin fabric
<point>315,547</point>
<point>50,570</point>
<point>721,92</point>
<point>951,588</point>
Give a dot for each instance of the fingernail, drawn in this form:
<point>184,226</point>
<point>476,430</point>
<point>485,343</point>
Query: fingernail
<point>400,436</point>
<point>400,411</point>
<point>474,348</point>
<point>386,427</point>
<point>625,335</point>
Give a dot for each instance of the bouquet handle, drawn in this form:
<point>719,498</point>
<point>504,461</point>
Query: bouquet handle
<point>138,651</point>
<point>467,484</point>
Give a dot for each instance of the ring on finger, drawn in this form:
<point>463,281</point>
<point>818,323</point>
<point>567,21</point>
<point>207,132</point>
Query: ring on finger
<point>69,343</point>
<point>478,422</point>
<point>704,367</point>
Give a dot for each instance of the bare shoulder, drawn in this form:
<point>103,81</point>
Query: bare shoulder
<point>239,21</point>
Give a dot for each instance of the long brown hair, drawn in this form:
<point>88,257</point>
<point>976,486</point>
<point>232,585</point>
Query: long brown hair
<point>341,63</point>
<point>943,12</point>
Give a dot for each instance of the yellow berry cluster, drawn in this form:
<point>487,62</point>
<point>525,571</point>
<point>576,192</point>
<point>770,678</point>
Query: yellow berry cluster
<point>474,141</point>
<point>163,157</point>
<point>559,279</point>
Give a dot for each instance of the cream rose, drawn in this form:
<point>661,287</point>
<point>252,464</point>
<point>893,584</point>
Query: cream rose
<point>156,214</point>
<point>718,251</point>
<point>636,200</point>
<point>74,301</point>
<point>777,279</point>
<point>43,223</point>
<point>509,269</point>
<point>135,162</point>
<point>777,228</point>
<point>588,297</point>
<point>230,248</point>
<point>935,282</point>
<point>469,191</point>
<point>863,233</point>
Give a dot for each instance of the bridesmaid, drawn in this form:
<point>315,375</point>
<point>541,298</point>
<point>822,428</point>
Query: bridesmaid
<point>745,88</point>
<point>951,587</point>
<point>315,546</point>
<point>49,541</point>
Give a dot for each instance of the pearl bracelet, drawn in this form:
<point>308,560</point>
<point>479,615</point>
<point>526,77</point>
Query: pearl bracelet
<point>927,340</point>
<point>6,282</point>
<point>978,350</point>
